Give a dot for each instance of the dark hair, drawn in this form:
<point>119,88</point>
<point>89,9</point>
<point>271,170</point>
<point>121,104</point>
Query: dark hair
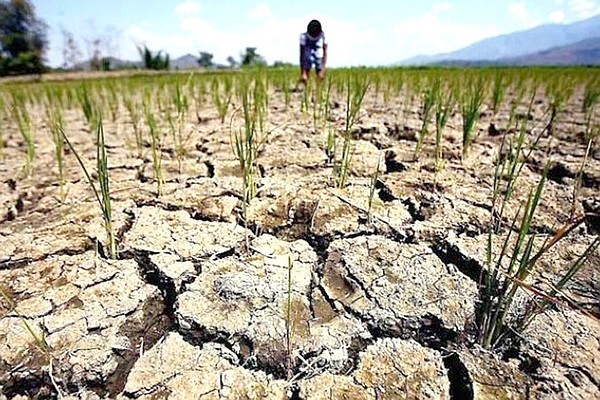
<point>314,28</point>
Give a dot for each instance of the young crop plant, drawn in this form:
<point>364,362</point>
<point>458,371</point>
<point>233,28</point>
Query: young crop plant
<point>260,103</point>
<point>519,93</point>
<point>444,105</point>
<point>21,114</point>
<point>559,90</point>
<point>56,123</point>
<point>222,97</point>
<point>246,142</point>
<point>498,91</point>
<point>471,100</point>
<point>520,249</point>
<point>111,100</point>
<point>155,142</point>
<point>177,125</point>
<point>591,95</point>
<point>412,89</point>
<point>39,340</point>
<point>133,107</point>
<point>430,97</point>
<point>102,195</point>
<point>356,89</point>
<point>90,110</point>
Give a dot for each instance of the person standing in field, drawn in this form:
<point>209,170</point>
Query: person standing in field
<point>313,51</point>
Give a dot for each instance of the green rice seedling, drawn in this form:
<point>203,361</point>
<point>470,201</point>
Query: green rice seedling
<point>177,125</point>
<point>376,83</point>
<point>331,144</point>
<point>305,105</point>
<point>56,122</point>
<point>498,91</point>
<point>316,102</point>
<point>286,89</point>
<point>90,112</point>
<point>499,320</point>
<point>112,98</point>
<point>260,103</point>
<point>356,89</point>
<point>198,92</point>
<point>321,104</point>
<point>103,195</point>
<point>591,95</point>
<point>155,141</point>
<point>559,90</point>
<point>430,97</point>
<point>222,98</point>
<point>499,293</point>
<point>444,105</point>
<point>471,101</point>
<point>519,94</point>
<point>246,143</point>
<point>579,178</point>
<point>21,114</point>
<point>502,279</point>
<point>132,107</point>
<point>39,341</point>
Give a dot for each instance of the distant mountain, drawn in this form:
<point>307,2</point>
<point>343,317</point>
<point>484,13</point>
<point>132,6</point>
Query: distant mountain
<point>514,45</point>
<point>585,52</point>
<point>187,61</point>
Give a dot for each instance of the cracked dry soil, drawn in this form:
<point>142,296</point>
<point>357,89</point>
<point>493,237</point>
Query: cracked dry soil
<point>197,304</point>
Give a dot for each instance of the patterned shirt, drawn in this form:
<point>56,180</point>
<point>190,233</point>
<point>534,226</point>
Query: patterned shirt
<point>313,46</point>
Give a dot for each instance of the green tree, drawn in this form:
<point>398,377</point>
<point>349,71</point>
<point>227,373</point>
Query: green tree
<point>156,61</point>
<point>22,38</point>
<point>232,62</point>
<point>205,60</point>
<point>251,58</point>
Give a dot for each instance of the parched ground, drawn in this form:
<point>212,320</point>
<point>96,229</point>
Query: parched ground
<point>196,306</point>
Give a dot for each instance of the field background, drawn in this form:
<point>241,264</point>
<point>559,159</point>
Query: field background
<point>342,260</point>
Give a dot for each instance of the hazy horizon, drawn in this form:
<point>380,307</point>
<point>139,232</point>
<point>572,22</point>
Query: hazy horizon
<point>359,33</point>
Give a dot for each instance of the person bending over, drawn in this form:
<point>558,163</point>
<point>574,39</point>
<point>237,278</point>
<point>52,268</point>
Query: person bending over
<point>313,51</point>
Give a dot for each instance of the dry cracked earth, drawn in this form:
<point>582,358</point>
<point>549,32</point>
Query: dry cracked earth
<point>196,306</point>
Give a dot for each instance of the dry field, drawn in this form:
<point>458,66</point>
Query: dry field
<point>356,241</point>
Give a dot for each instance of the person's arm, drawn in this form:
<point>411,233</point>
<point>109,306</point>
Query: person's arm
<point>302,56</point>
<point>323,62</point>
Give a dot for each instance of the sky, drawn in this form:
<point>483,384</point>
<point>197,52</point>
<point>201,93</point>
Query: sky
<point>359,32</point>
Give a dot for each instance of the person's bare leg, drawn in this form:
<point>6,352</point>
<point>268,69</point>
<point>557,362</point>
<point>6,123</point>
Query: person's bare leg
<point>320,76</point>
<point>304,75</point>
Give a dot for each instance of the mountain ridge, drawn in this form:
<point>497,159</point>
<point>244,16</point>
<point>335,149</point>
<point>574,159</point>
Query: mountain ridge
<point>517,44</point>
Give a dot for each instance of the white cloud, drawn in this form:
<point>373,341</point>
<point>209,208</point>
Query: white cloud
<point>557,17</point>
<point>260,11</point>
<point>430,34</point>
<point>584,8</point>
<point>518,11</point>
<point>188,7</point>
<point>439,8</point>
<point>350,43</point>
